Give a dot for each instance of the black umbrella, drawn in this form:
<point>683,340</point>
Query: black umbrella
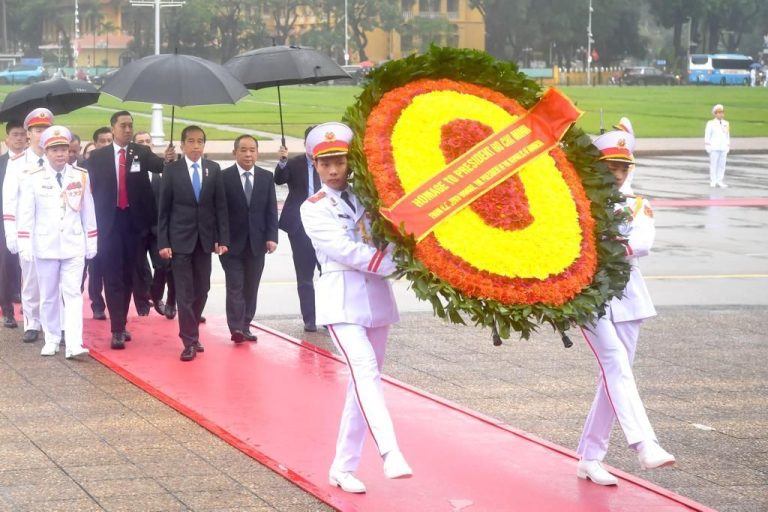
<point>274,66</point>
<point>177,80</point>
<point>59,95</point>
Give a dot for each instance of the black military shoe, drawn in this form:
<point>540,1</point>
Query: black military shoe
<point>118,341</point>
<point>30,336</point>
<point>188,353</point>
<point>10,322</point>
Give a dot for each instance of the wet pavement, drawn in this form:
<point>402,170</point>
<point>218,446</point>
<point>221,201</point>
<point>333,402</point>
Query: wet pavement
<point>74,436</point>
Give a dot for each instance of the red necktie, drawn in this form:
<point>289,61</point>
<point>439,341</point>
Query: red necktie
<point>122,189</point>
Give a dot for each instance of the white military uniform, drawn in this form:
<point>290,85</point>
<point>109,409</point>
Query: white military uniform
<point>57,225</point>
<point>15,176</point>
<point>717,142</point>
<point>613,339</point>
<point>357,304</point>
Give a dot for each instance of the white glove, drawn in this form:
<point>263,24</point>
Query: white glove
<point>12,245</point>
<point>90,255</point>
<point>26,256</point>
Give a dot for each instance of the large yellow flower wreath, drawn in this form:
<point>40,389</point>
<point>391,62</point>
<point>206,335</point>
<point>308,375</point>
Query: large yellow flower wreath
<point>541,246</point>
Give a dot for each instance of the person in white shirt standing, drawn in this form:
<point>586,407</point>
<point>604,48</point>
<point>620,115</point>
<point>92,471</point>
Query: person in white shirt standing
<point>35,123</point>
<point>57,229</point>
<point>717,142</point>
<point>613,338</point>
<point>356,303</point>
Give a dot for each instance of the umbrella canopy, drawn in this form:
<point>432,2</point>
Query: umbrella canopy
<point>274,66</point>
<point>177,80</point>
<point>59,95</point>
<point>283,65</point>
<point>173,79</point>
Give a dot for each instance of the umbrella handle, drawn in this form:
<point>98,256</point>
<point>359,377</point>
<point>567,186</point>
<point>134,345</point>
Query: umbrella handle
<point>173,116</point>
<point>280,105</point>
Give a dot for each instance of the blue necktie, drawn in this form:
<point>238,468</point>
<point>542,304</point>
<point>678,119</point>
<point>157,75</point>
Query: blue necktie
<point>196,181</point>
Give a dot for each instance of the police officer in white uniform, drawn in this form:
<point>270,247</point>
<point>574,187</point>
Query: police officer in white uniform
<point>34,158</point>
<point>625,125</point>
<point>613,339</point>
<point>57,228</point>
<point>717,142</point>
<point>355,301</point>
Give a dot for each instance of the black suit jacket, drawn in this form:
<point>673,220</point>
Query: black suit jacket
<point>257,222</point>
<point>103,175</point>
<point>182,219</point>
<point>295,175</point>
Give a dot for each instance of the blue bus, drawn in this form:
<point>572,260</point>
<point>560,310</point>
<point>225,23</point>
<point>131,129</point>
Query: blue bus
<point>719,69</point>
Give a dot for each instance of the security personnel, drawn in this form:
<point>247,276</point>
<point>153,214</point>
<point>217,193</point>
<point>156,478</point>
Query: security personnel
<point>717,142</point>
<point>355,301</point>
<point>625,125</point>
<point>57,229</point>
<point>34,158</point>
<point>613,338</point>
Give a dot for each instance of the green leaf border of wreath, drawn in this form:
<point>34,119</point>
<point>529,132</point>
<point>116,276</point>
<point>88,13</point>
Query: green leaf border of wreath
<point>482,69</point>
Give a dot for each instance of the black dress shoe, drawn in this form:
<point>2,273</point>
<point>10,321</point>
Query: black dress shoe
<point>202,319</point>
<point>127,336</point>
<point>144,311</point>
<point>170,311</point>
<point>249,336</point>
<point>30,336</point>
<point>199,347</point>
<point>310,328</point>
<point>99,315</point>
<point>159,306</point>
<point>118,341</point>
<point>188,353</point>
<point>10,322</point>
<point>238,336</point>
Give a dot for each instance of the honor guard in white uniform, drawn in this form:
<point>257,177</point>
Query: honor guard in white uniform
<point>613,338</point>
<point>57,229</point>
<point>625,125</point>
<point>717,142</point>
<point>356,303</point>
<point>34,158</point>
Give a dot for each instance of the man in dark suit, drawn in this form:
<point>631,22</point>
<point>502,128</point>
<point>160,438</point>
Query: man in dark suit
<point>302,179</point>
<point>252,212</point>
<point>125,208</point>
<point>10,276</point>
<point>191,225</point>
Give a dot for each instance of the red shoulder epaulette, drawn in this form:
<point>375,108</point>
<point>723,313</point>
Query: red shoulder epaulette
<point>315,198</point>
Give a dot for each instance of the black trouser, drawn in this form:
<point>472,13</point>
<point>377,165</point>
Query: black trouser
<point>304,263</point>
<point>142,278</point>
<point>242,274</point>
<point>95,285</point>
<point>162,276</point>
<point>117,264</point>
<point>10,280</point>
<point>192,276</point>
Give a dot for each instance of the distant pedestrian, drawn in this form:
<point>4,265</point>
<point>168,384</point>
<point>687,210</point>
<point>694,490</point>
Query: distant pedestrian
<point>717,142</point>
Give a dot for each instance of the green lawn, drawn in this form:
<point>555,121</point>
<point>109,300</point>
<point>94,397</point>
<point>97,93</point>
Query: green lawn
<point>654,111</point>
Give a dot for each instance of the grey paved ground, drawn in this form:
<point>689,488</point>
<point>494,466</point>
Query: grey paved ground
<point>73,436</point>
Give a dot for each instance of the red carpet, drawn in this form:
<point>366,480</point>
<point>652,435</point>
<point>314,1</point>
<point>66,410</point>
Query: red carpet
<point>279,402</point>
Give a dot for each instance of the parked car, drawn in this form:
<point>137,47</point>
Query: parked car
<point>647,76</point>
<point>23,74</point>
<point>102,78</point>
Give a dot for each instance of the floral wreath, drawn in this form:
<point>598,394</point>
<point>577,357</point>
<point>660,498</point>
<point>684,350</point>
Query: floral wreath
<point>541,247</point>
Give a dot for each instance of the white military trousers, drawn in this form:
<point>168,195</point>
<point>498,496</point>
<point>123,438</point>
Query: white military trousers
<point>60,279</point>
<point>717,166</point>
<point>617,397</point>
<point>30,295</point>
<point>364,409</point>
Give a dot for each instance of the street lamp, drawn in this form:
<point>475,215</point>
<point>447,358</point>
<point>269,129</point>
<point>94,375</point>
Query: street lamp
<point>156,131</point>
<point>346,33</point>
<point>688,46</point>
<point>589,45</point>
<point>76,51</point>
